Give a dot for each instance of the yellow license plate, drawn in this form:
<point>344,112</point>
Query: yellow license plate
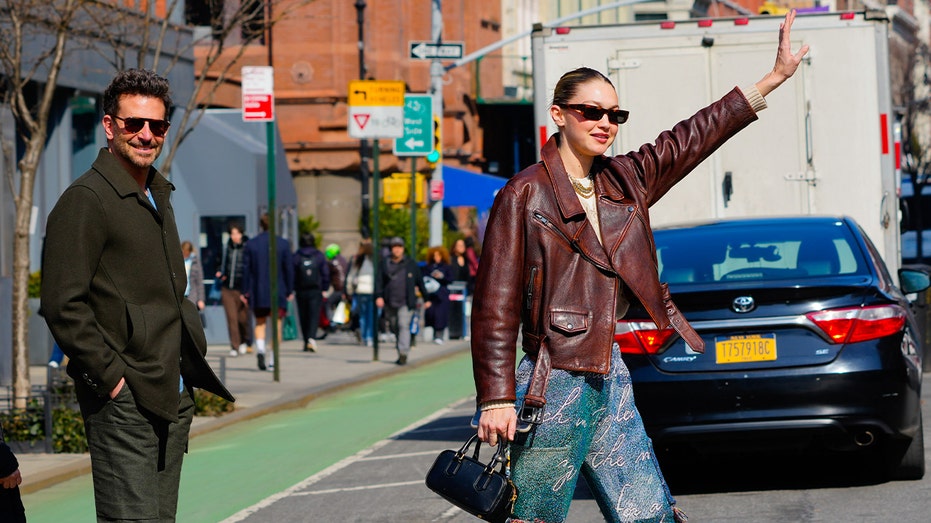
<point>745,349</point>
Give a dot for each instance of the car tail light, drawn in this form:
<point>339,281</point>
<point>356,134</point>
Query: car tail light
<point>859,323</point>
<point>637,337</point>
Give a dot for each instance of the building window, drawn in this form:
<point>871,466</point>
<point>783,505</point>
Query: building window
<point>253,25</point>
<point>205,13</point>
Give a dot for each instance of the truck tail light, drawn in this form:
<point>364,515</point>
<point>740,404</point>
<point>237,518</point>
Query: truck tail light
<point>859,323</point>
<point>638,337</point>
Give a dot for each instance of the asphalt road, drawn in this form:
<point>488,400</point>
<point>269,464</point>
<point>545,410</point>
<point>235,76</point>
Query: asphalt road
<point>361,456</point>
<point>385,483</point>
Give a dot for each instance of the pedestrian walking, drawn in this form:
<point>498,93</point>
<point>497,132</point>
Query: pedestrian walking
<point>396,291</point>
<point>195,276</point>
<point>361,287</point>
<point>566,237</point>
<point>113,297</point>
<point>339,266</point>
<point>311,278</point>
<point>257,291</point>
<point>238,317</point>
<point>441,272</point>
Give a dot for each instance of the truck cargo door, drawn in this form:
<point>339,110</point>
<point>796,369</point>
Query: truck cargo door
<point>661,86</point>
<point>766,164</point>
<point>761,171</point>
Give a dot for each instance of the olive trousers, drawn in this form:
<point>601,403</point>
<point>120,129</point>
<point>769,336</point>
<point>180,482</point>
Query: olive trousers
<point>135,456</point>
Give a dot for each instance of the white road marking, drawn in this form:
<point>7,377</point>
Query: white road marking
<point>295,490</point>
<point>405,455</point>
<point>364,487</point>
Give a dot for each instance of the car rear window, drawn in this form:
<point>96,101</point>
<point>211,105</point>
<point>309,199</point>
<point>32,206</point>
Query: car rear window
<point>732,253</point>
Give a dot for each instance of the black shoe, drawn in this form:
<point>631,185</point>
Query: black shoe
<point>261,359</point>
<point>402,360</point>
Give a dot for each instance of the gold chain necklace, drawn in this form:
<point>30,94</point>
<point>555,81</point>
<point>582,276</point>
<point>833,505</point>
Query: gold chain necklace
<point>581,190</point>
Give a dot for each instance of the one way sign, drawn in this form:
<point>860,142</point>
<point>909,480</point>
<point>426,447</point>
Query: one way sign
<point>431,50</point>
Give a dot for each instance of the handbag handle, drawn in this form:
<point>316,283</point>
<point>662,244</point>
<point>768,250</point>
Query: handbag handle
<point>499,457</point>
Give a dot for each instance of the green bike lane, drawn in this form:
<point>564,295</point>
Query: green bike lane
<point>240,465</point>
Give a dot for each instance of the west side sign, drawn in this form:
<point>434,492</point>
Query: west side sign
<point>376,109</point>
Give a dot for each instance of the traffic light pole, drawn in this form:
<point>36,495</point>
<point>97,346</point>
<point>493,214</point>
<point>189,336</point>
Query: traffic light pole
<point>413,251</point>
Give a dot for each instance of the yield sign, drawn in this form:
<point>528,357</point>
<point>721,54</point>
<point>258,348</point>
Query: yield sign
<point>361,119</point>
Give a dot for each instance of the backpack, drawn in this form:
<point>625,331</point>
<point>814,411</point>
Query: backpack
<point>308,273</point>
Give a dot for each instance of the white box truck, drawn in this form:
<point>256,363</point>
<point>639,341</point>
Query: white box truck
<point>824,145</point>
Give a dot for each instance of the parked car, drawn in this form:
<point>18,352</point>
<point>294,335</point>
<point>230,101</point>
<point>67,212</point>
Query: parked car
<point>808,340</point>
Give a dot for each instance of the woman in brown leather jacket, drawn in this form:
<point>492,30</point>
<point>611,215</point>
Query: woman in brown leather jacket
<point>564,236</point>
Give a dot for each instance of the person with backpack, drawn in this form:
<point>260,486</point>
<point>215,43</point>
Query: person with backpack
<point>311,278</point>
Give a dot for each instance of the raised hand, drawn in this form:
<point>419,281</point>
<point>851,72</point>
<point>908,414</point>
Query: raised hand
<point>787,62</point>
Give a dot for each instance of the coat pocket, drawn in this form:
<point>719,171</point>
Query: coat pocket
<point>569,322</point>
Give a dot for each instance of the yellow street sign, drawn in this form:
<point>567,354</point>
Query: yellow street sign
<point>376,93</point>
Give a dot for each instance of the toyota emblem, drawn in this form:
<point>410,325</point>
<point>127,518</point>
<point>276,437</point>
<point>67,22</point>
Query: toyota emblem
<point>743,304</point>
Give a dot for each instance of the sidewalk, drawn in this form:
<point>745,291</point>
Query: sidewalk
<point>340,362</point>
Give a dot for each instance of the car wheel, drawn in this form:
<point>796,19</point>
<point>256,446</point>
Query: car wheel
<point>911,464</point>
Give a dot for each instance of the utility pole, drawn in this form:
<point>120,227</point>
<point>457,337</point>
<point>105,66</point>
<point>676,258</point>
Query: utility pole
<point>436,89</point>
<point>363,144</point>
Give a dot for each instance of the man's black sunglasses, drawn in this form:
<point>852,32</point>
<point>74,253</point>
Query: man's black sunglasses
<point>134,125</point>
<point>594,113</point>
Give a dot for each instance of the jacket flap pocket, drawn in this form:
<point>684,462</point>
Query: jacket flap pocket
<point>570,322</point>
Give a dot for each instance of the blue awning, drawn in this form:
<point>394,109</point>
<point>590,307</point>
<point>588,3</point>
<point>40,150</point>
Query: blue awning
<point>470,189</point>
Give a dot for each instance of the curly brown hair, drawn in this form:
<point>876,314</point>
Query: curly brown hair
<point>444,254</point>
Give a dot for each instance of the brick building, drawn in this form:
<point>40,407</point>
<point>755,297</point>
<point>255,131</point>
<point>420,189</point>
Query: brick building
<point>314,48</point>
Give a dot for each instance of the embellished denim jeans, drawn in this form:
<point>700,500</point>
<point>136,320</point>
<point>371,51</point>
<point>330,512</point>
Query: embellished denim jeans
<point>590,426</point>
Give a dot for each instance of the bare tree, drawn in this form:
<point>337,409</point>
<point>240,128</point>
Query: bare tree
<point>30,82</point>
<point>234,27</point>
<point>126,37</point>
<point>914,99</point>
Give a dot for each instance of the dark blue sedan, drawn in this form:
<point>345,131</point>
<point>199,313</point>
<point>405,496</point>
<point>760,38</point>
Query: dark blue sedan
<point>808,341</point>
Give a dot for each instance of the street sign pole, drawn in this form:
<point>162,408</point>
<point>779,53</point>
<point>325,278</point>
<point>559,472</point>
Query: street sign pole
<point>273,239</point>
<point>258,105</point>
<point>436,83</point>
<point>376,238</point>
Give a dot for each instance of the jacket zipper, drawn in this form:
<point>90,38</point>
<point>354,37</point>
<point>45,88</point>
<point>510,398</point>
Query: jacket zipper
<point>533,278</point>
<point>572,243</point>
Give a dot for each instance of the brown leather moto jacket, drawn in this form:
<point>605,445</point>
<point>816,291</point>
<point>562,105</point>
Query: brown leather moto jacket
<point>544,270</point>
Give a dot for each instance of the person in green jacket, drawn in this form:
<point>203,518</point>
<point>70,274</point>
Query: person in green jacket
<point>113,296</point>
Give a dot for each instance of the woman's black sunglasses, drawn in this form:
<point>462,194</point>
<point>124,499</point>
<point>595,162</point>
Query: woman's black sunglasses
<point>134,125</point>
<point>594,113</point>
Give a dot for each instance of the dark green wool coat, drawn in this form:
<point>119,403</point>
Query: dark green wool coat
<point>113,283</point>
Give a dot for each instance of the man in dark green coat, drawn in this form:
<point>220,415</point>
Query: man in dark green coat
<point>113,296</point>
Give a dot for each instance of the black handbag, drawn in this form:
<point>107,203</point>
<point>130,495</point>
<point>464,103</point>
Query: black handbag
<point>483,490</point>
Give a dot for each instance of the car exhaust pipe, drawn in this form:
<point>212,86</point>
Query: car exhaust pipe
<point>864,438</point>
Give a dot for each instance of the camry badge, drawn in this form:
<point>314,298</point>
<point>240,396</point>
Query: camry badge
<point>743,304</point>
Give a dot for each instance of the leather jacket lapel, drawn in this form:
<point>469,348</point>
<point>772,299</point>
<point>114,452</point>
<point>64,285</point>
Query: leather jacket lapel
<point>574,223</point>
<point>568,202</point>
